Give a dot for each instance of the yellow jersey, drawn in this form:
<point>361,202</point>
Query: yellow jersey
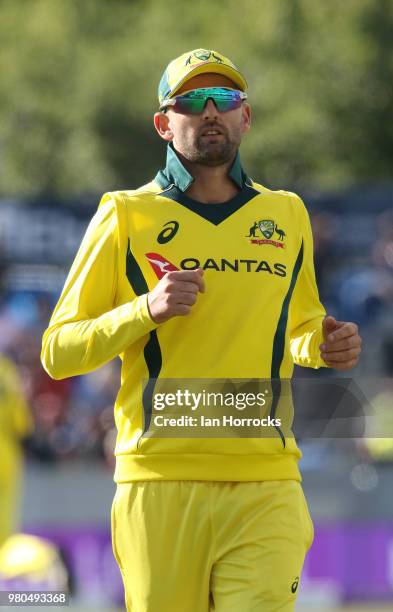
<point>260,314</point>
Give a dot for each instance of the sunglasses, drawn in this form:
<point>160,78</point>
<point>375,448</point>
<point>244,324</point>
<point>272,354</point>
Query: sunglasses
<point>193,102</point>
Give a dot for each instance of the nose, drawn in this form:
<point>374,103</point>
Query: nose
<point>210,111</point>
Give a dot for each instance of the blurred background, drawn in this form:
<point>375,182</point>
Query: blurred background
<point>78,85</point>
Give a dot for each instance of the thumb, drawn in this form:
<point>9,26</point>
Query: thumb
<point>329,324</point>
<point>201,283</point>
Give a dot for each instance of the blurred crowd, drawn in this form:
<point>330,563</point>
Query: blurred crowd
<point>74,417</point>
<point>354,269</point>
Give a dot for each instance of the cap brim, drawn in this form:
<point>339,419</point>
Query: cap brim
<point>223,69</point>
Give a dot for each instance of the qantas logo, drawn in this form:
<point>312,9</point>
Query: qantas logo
<point>161,265</point>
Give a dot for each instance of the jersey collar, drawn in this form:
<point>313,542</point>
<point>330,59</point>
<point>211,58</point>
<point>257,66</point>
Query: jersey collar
<point>176,174</point>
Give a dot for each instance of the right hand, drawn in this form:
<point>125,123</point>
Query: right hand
<point>174,294</point>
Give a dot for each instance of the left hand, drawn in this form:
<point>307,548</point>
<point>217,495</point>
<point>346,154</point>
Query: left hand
<point>342,344</point>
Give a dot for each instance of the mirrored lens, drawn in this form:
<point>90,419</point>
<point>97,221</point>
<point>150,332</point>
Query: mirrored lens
<point>193,102</point>
<point>217,92</point>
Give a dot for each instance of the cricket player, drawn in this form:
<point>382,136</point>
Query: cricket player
<point>16,425</point>
<point>203,273</point>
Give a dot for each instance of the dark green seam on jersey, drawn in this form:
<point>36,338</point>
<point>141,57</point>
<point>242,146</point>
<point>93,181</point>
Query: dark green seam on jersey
<point>153,359</point>
<point>152,350</point>
<point>215,213</point>
<point>279,340</point>
<point>134,274</point>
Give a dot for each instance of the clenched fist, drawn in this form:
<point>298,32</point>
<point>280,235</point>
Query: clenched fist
<point>174,294</point>
<point>342,343</point>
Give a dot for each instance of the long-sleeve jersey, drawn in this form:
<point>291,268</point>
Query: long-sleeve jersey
<point>260,313</point>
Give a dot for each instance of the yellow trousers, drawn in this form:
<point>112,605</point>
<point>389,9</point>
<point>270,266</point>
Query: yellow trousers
<point>192,546</point>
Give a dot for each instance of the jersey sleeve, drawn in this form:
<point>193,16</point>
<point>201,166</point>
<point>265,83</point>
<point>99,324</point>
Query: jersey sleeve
<point>87,329</point>
<point>306,312</point>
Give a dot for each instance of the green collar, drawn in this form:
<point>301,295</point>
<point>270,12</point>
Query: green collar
<point>176,174</point>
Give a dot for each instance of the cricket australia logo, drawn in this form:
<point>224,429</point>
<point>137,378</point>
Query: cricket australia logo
<point>267,228</point>
<point>203,56</point>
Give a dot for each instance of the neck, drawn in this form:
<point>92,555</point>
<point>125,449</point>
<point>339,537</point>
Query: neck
<point>211,184</point>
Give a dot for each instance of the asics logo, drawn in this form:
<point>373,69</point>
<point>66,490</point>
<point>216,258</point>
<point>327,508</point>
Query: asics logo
<point>169,231</point>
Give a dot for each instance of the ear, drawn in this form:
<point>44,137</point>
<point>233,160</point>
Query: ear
<point>246,117</point>
<point>161,123</point>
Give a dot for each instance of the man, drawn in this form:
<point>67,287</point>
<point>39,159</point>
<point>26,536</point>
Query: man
<point>168,278</point>
<point>16,425</point>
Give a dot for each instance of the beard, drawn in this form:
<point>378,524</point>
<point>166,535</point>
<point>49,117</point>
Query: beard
<point>211,150</point>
